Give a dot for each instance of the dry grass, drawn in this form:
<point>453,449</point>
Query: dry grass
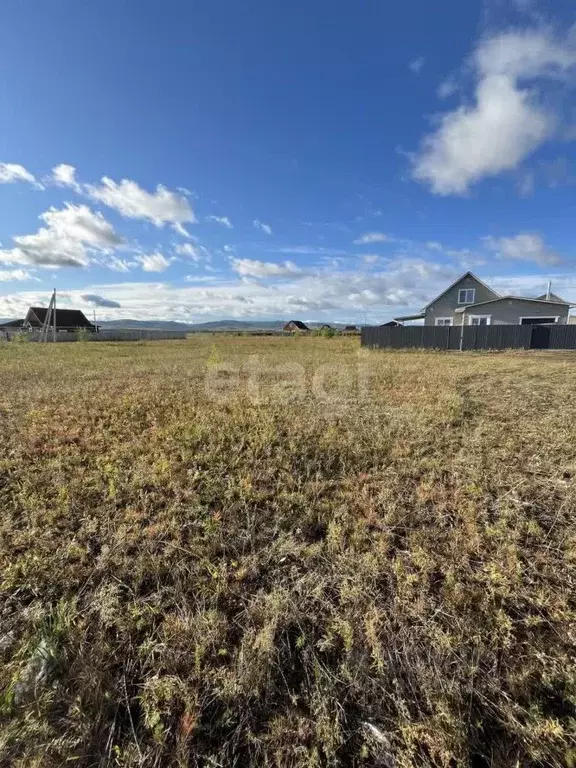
<point>272,579</point>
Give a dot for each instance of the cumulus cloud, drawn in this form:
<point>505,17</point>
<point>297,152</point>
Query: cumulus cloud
<point>117,264</point>
<point>223,220</point>
<point>506,121</point>
<point>12,172</point>
<point>253,268</point>
<point>308,250</point>
<point>372,237</point>
<point>7,275</point>
<point>70,236</point>
<point>523,247</point>
<point>153,262</point>
<point>400,287</point>
<point>193,252</point>
<point>100,301</point>
<point>160,207</point>
<point>64,175</point>
<point>407,283</point>
<point>264,227</point>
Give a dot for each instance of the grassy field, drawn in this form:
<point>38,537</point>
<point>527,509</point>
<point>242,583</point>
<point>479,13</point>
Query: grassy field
<point>286,552</point>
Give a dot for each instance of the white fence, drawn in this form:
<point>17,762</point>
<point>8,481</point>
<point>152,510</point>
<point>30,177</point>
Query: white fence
<point>103,335</point>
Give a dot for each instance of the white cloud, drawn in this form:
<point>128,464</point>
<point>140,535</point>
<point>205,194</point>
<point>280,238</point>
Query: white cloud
<point>447,88</point>
<point>526,183</point>
<point>523,247</point>
<point>224,220</point>
<point>70,236</point>
<point>373,237</point>
<point>153,262</point>
<point>80,223</point>
<point>7,275</point>
<point>12,172</point>
<point>160,207</point>
<point>253,268</point>
<point>100,301</point>
<point>525,54</point>
<point>506,122</point>
<point>264,227</point>
<point>65,175</point>
<point>118,265</point>
<point>193,252</point>
<point>471,143</point>
<point>309,250</point>
<point>402,286</point>
<point>416,65</point>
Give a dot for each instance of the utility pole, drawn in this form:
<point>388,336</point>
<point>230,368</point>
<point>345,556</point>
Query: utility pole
<point>49,320</point>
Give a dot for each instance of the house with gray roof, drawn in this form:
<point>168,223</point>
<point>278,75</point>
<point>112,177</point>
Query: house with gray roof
<point>469,301</point>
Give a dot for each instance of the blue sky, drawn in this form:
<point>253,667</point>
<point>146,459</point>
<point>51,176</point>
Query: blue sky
<point>313,160</point>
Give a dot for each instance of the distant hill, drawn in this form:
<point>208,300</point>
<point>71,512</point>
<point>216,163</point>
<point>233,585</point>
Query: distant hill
<point>240,325</point>
<point>171,325</point>
<point>215,325</point>
<point>149,325</point>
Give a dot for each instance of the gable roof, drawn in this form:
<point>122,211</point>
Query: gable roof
<point>65,318</point>
<point>12,324</point>
<point>552,297</point>
<point>299,324</point>
<point>466,274</point>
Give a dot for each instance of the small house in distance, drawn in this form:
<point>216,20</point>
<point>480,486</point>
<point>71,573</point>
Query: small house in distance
<point>295,325</point>
<point>66,320</point>
<point>349,329</point>
<point>391,324</point>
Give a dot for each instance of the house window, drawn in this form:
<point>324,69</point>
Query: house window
<point>480,319</point>
<point>443,321</point>
<point>466,295</point>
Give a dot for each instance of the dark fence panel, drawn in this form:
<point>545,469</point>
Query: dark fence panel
<point>438,339</point>
<point>562,337</point>
<point>454,337</point>
<point>496,336</point>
